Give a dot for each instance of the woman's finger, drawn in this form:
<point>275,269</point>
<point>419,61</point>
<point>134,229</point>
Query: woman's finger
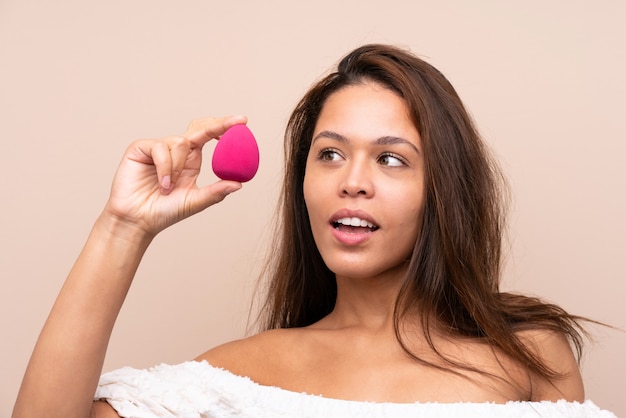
<point>200,131</point>
<point>162,159</point>
<point>169,157</point>
<point>179,148</point>
<point>214,193</point>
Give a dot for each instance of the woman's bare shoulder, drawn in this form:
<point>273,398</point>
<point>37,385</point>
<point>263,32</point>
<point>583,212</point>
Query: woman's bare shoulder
<point>256,355</point>
<point>252,357</point>
<point>554,349</point>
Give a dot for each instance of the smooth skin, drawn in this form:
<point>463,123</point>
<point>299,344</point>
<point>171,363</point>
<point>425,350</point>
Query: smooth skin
<point>365,160</point>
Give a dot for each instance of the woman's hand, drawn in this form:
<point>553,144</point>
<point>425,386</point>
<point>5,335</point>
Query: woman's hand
<point>155,184</point>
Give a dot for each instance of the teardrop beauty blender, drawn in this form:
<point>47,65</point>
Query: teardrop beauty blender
<point>236,155</point>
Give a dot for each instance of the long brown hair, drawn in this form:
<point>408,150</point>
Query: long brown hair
<point>454,273</point>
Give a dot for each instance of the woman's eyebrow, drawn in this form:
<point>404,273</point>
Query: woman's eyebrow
<point>330,135</point>
<point>392,140</point>
<point>383,140</point>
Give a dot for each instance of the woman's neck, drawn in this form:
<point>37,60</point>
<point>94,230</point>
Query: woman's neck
<point>366,303</point>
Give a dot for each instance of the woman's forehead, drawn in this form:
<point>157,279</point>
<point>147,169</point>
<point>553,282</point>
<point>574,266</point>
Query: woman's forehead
<point>367,110</point>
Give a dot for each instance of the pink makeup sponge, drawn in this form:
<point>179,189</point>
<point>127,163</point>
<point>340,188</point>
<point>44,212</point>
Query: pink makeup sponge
<point>236,155</point>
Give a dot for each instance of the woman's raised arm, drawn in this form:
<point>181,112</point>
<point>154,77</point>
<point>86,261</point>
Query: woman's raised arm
<point>154,187</point>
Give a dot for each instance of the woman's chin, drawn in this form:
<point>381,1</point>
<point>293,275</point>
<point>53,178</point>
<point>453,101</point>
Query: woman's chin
<point>364,271</point>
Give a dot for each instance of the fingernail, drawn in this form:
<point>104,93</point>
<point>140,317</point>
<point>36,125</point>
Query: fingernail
<point>166,183</point>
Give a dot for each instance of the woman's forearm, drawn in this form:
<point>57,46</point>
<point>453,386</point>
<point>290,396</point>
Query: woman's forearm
<point>67,360</point>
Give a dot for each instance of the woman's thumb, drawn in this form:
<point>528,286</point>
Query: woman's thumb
<point>215,193</point>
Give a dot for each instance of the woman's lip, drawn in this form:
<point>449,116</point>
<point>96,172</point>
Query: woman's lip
<point>352,238</point>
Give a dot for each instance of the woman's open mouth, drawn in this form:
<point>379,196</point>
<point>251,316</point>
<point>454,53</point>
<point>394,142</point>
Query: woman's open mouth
<point>354,225</point>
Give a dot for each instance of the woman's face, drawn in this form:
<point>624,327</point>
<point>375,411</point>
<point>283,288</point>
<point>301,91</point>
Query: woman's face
<point>364,182</point>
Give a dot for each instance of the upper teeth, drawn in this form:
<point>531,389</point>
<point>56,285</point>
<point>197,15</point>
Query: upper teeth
<point>355,222</point>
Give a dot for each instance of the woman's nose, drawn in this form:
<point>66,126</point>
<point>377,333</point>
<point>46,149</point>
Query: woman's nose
<point>357,180</point>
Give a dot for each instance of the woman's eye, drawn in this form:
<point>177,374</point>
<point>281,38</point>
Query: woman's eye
<point>390,160</point>
<point>329,155</point>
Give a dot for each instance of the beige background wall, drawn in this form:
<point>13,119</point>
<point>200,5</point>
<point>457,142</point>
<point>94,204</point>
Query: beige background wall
<point>79,80</point>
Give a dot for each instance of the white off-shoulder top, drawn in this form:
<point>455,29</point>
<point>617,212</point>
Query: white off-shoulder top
<point>198,390</point>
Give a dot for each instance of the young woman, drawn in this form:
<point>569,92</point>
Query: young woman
<point>383,297</point>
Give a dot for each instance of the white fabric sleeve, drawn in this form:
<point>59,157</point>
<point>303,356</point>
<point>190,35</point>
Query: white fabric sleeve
<point>199,390</point>
<point>161,391</point>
